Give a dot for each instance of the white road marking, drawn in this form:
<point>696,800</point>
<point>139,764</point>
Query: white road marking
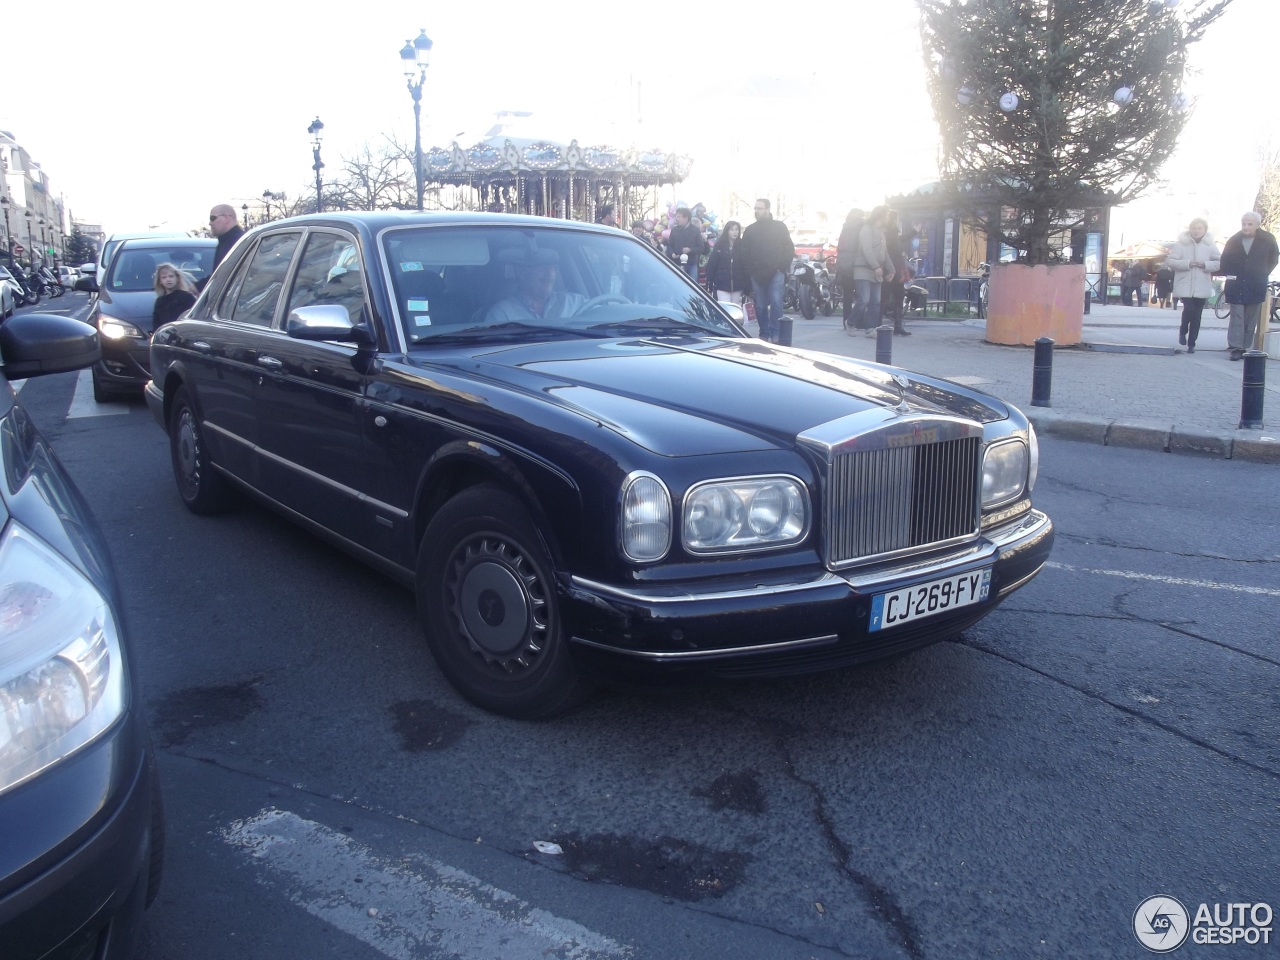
<point>83,404</point>
<point>410,907</point>
<point>1169,581</point>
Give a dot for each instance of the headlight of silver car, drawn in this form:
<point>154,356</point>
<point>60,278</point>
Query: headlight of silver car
<point>646,518</point>
<point>1004,472</point>
<point>747,513</point>
<point>1033,471</point>
<point>62,679</point>
<point>114,329</point>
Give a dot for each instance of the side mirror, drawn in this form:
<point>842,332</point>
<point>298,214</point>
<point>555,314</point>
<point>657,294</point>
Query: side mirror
<point>33,344</point>
<point>735,312</point>
<point>87,283</point>
<point>89,267</point>
<point>326,321</point>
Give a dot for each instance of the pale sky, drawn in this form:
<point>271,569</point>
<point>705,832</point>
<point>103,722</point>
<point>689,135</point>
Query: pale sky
<point>148,113</point>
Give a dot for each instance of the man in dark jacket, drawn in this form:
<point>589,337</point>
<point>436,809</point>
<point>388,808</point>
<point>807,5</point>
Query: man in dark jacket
<point>846,250</point>
<point>1248,257</point>
<point>768,251</point>
<point>685,244</point>
<point>223,225</point>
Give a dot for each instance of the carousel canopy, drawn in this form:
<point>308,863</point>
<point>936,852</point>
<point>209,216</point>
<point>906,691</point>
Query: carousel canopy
<point>495,156</point>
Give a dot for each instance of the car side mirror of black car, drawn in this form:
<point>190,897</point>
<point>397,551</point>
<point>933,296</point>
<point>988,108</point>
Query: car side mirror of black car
<point>87,283</point>
<point>33,344</point>
<point>326,321</point>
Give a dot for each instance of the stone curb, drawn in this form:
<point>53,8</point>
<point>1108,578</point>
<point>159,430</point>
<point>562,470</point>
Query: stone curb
<point>1256,446</point>
<point>1248,445</point>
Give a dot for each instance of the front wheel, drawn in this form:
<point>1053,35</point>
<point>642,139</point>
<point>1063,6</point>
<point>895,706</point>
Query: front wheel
<point>1222,309</point>
<point>807,308</point>
<point>201,487</point>
<point>32,296</point>
<point>487,597</point>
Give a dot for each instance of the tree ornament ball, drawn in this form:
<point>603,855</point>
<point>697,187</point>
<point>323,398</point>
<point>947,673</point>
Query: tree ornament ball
<point>1123,95</point>
<point>1009,102</point>
<point>964,96</point>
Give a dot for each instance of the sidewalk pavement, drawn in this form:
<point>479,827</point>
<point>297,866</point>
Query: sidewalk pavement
<point>1129,384</point>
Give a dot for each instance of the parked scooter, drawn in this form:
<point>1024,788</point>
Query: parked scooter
<point>31,285</point>
<point>50,284</point>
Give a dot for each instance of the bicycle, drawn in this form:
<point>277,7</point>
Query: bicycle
<point>1221,309</point>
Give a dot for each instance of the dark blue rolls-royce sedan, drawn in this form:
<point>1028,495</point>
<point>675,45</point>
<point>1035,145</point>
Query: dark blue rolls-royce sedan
<point>578,460</point>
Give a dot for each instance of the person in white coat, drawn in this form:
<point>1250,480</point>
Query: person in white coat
<point>1193,259</point>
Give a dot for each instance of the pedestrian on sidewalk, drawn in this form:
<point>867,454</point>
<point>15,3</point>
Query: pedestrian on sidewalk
<point>846,249</point>
<point>871,266</point>
<point>1164,284</point>
<point>768,251</point>
<point>1194,260</point>
<point>893,290</point>
<point>686,244</point>
<point>726,269</point>
<point>1135,274</point>
<point>1247,259</point>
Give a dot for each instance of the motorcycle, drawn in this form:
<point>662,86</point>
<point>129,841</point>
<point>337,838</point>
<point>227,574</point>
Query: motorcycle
<point>30,284</point>
<point>51,285</point>
<point>812,287</point>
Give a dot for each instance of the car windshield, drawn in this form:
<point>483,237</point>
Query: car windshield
<point>515,283</point>
<point>134,270</point>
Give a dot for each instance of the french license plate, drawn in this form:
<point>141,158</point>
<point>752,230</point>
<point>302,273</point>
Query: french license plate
<point>925,599</point>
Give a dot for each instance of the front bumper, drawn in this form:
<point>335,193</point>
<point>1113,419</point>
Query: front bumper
<point>779,628</point>
<point>76,850</point>
<point>125,365</point>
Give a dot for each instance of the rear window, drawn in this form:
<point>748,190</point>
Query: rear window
<point>135,269</point>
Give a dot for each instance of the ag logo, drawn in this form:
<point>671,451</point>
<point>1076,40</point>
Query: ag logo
<point>1161,924</point>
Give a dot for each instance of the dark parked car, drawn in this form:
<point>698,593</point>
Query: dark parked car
<point>123,307</point>
<point>81,831</point>
<point>579,460</point>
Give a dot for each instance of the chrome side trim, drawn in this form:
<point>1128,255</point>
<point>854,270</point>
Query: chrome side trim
<point>678,656</point>
<point>346,491</point>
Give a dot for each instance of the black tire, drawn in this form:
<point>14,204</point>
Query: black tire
<point>201,487</point>
<point>155,861</point>
<point>100,393</point>
<point>1222,309</point>
<point>827,304</point>
<point>807,309</point>
<point>487,597</point>
<point>33,297</point>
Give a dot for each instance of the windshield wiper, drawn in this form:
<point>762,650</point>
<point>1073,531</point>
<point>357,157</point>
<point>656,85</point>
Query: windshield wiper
<point>657,324</point>
<point>501,332</point>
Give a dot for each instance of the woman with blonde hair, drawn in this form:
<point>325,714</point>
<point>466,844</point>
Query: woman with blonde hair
<point>1193,259</point>
<point>175,293</point>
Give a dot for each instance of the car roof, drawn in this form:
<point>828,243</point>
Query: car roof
<point>380,219</point>
<point>153,243</point>
<point>139,234</point>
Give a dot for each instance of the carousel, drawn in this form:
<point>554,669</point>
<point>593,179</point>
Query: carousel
<point>541,177</point>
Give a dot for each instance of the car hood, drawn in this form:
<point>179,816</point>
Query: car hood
<point>689,395</point>
<point>133,305</point>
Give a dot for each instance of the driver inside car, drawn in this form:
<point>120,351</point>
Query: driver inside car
<point>536,297</point>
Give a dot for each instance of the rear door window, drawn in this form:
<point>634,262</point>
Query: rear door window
<point>255,294</point>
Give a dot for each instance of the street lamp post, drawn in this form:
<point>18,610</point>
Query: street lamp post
<point>44,244</point>
<point>268,196</point>
<point>8,237</point>
<point>316,130</point>
<point>415,57</point>
<point>244,211</point>
<point>31,242</point>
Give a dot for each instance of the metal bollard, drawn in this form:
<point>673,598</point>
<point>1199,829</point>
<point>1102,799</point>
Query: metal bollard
<point>784,331</point>
<point>1251,392</point>
<point>884,343</point>
<point>1042,373</point>
<point>1088,299</point>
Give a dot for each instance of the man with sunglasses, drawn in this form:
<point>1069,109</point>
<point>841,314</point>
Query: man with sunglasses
<point>223,225</point>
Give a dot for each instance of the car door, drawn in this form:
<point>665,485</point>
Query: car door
<point>223,350</point>
<point>312,399</point>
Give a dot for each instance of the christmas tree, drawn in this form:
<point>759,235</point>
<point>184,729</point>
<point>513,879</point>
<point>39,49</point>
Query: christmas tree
<point>1047,107</point>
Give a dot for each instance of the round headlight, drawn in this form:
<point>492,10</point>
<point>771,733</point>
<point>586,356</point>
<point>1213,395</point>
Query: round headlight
<point>646,518</point>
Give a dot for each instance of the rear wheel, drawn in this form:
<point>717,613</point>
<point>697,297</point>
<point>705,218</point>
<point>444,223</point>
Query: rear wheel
<point>1222,309</point>
<point>201,487</point>
<point>827,302</point>
<point>487,597</point>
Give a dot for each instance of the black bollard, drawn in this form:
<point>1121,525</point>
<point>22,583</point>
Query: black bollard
<point>1255,381</point>
<point>1042,373</point>
<point>1088,299</point>
<point>784,331</point>
<point>884,343</point>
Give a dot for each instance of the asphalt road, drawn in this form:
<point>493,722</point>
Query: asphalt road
<point>1111,733</point>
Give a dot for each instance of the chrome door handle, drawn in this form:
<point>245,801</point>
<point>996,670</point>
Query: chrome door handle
<point>201,346</point>
<point>271,363</point>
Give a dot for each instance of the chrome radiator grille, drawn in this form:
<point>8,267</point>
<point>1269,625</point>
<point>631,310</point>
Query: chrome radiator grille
<point>881,502</point>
